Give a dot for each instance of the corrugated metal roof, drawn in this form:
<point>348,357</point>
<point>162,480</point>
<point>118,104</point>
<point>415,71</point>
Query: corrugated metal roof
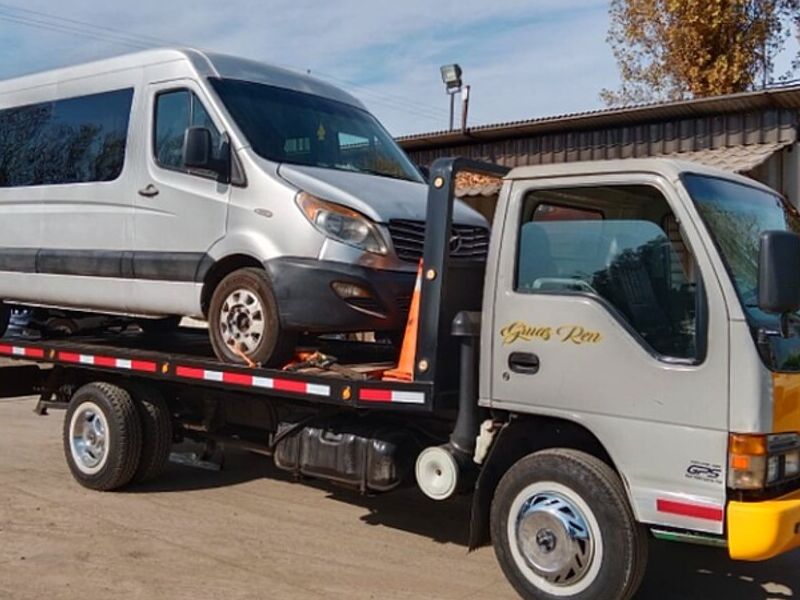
<point>785,97</point>
<point>738,159</point>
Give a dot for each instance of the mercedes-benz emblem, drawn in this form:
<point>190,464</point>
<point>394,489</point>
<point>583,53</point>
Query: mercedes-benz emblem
<point>455,243</point>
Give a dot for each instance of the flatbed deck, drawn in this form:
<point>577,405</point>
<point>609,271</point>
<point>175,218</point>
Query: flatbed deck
<point>186,357</point>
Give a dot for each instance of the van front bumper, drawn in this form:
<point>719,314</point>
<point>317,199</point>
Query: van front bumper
<point>307,301</point>
<point>763,530</point>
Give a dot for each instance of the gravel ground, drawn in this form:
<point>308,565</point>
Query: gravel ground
<point>250,532</point>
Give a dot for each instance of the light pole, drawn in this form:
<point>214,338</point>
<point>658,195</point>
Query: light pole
<point>451,77</point>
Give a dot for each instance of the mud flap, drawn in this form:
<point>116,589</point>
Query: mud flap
<point>490,475</point>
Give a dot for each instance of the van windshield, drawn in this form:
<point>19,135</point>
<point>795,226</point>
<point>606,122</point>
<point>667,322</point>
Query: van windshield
<point>287,126</point>
<point>736,215</point>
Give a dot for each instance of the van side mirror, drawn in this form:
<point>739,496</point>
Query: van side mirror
<point>197,152</point>
<point>425,172</point>
<point>779,272</point>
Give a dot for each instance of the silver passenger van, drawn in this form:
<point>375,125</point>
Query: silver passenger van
<point>176,183</point>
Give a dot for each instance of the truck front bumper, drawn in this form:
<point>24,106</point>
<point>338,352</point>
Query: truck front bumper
<point>763,530</point>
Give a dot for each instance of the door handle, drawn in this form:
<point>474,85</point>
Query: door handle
<point>149,191</point>
<point>525,363</point>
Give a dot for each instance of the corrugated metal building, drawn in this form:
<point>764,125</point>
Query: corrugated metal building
<point>753,133</point>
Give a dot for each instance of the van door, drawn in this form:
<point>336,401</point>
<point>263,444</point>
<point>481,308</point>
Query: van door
<point>607,314</point>
<point>180,213</point>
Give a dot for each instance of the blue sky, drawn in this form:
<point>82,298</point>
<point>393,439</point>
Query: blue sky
<point>523,58</point>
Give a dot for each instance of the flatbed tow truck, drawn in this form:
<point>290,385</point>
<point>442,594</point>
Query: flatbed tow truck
<point>601,378</point>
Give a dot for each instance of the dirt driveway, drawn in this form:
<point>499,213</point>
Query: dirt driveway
<point>250,532</point>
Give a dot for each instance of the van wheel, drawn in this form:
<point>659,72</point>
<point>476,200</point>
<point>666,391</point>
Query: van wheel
<point>5,318</point>
<point>243,321</point>
<point>156,423</point>
<point>102,436</point>
<point>160,326</point>
<point>562,527</point>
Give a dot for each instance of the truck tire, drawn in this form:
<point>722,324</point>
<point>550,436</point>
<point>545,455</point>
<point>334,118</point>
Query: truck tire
<point>562,527</point>
<point>102,436</point>
<point>244,314</point>
<point>5,317</point>
<point>154,415</point>
<point>163,326</point>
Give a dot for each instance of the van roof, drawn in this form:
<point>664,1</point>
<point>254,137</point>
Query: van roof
<point>206,64</point>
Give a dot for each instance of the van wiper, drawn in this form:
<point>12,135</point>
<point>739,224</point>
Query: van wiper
<point>384,174</point>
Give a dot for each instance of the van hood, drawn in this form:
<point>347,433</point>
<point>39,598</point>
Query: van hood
<point>379,198</point>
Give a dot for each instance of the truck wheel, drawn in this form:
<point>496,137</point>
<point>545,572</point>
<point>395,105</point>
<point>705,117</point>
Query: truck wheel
<point>5,317</point>
<point>156,423</point>
<point>102,436</point>
<point>160,326</point>
<point>243,321</point>
<point>562,528</point>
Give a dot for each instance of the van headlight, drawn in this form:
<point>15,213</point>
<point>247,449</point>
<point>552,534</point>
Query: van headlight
<point>342,224</point>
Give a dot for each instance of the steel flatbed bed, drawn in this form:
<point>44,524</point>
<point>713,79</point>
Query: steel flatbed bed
<point>186,358</point>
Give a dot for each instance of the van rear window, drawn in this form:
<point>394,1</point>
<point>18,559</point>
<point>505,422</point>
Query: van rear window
<point>75,140</point>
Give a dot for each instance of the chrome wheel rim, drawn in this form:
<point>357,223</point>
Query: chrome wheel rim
<point>555,538</point>
<point>242,321</point>
<point>89,438</point>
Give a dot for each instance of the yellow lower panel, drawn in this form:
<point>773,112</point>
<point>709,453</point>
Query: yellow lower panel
<point>762,530</point>
<point>786,402</point>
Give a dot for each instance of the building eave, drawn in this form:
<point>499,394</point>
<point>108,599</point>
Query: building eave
<point>783,98</point>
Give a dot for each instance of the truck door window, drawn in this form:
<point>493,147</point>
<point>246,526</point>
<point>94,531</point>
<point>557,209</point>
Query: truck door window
<point>176,111</point>
<point>634,260</point>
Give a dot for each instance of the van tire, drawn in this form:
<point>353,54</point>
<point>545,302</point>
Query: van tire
<point>157,437</point>
<point>244,311</point>
<point>5,317</point>
<point>583,494</point>
<point>113,452</point>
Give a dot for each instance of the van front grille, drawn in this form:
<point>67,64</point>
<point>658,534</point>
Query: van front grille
<point>467,241</point>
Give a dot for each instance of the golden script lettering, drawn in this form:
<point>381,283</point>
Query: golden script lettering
<point>574,334</point>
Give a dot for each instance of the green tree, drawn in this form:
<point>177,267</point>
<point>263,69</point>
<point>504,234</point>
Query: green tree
<point>678,49</point>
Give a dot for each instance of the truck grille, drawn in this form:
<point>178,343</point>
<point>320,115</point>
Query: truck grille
<point>467,241</point>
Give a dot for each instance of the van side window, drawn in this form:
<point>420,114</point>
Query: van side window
<point>635,259</point>
<point>75,140</point>
<point>176,111</point>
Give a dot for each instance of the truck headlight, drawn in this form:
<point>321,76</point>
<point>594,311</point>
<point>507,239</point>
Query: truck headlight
<point>756,461</point>
<point>342,224</point>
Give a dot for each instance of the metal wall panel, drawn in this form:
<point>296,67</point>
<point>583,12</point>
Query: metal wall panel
<point>775,125</point>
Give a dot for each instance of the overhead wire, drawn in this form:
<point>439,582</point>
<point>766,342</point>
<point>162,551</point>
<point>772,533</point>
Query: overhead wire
<point>60,24</point>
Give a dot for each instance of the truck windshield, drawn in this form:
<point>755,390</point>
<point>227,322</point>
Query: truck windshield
<point>736,214</point>
<point>287,126</point>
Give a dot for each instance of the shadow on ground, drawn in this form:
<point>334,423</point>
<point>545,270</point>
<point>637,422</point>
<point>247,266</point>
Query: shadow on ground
<point>675,571</point>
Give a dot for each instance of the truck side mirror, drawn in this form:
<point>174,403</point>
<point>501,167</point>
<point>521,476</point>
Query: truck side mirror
<point>197,153</point>
<point>779,272</point>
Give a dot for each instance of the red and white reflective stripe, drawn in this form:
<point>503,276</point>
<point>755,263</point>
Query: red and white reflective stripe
<point>21,351</point>
<point>243,379</point>
<point>685,509</point>
<point>108,362</point>
<point>391,396</point>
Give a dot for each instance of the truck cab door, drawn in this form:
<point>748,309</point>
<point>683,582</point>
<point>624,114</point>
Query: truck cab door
<point>607,314</point>
<point>180,213</point>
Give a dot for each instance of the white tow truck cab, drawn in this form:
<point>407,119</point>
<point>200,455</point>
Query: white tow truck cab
<point>625,363</point>
<point>641,312</point>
